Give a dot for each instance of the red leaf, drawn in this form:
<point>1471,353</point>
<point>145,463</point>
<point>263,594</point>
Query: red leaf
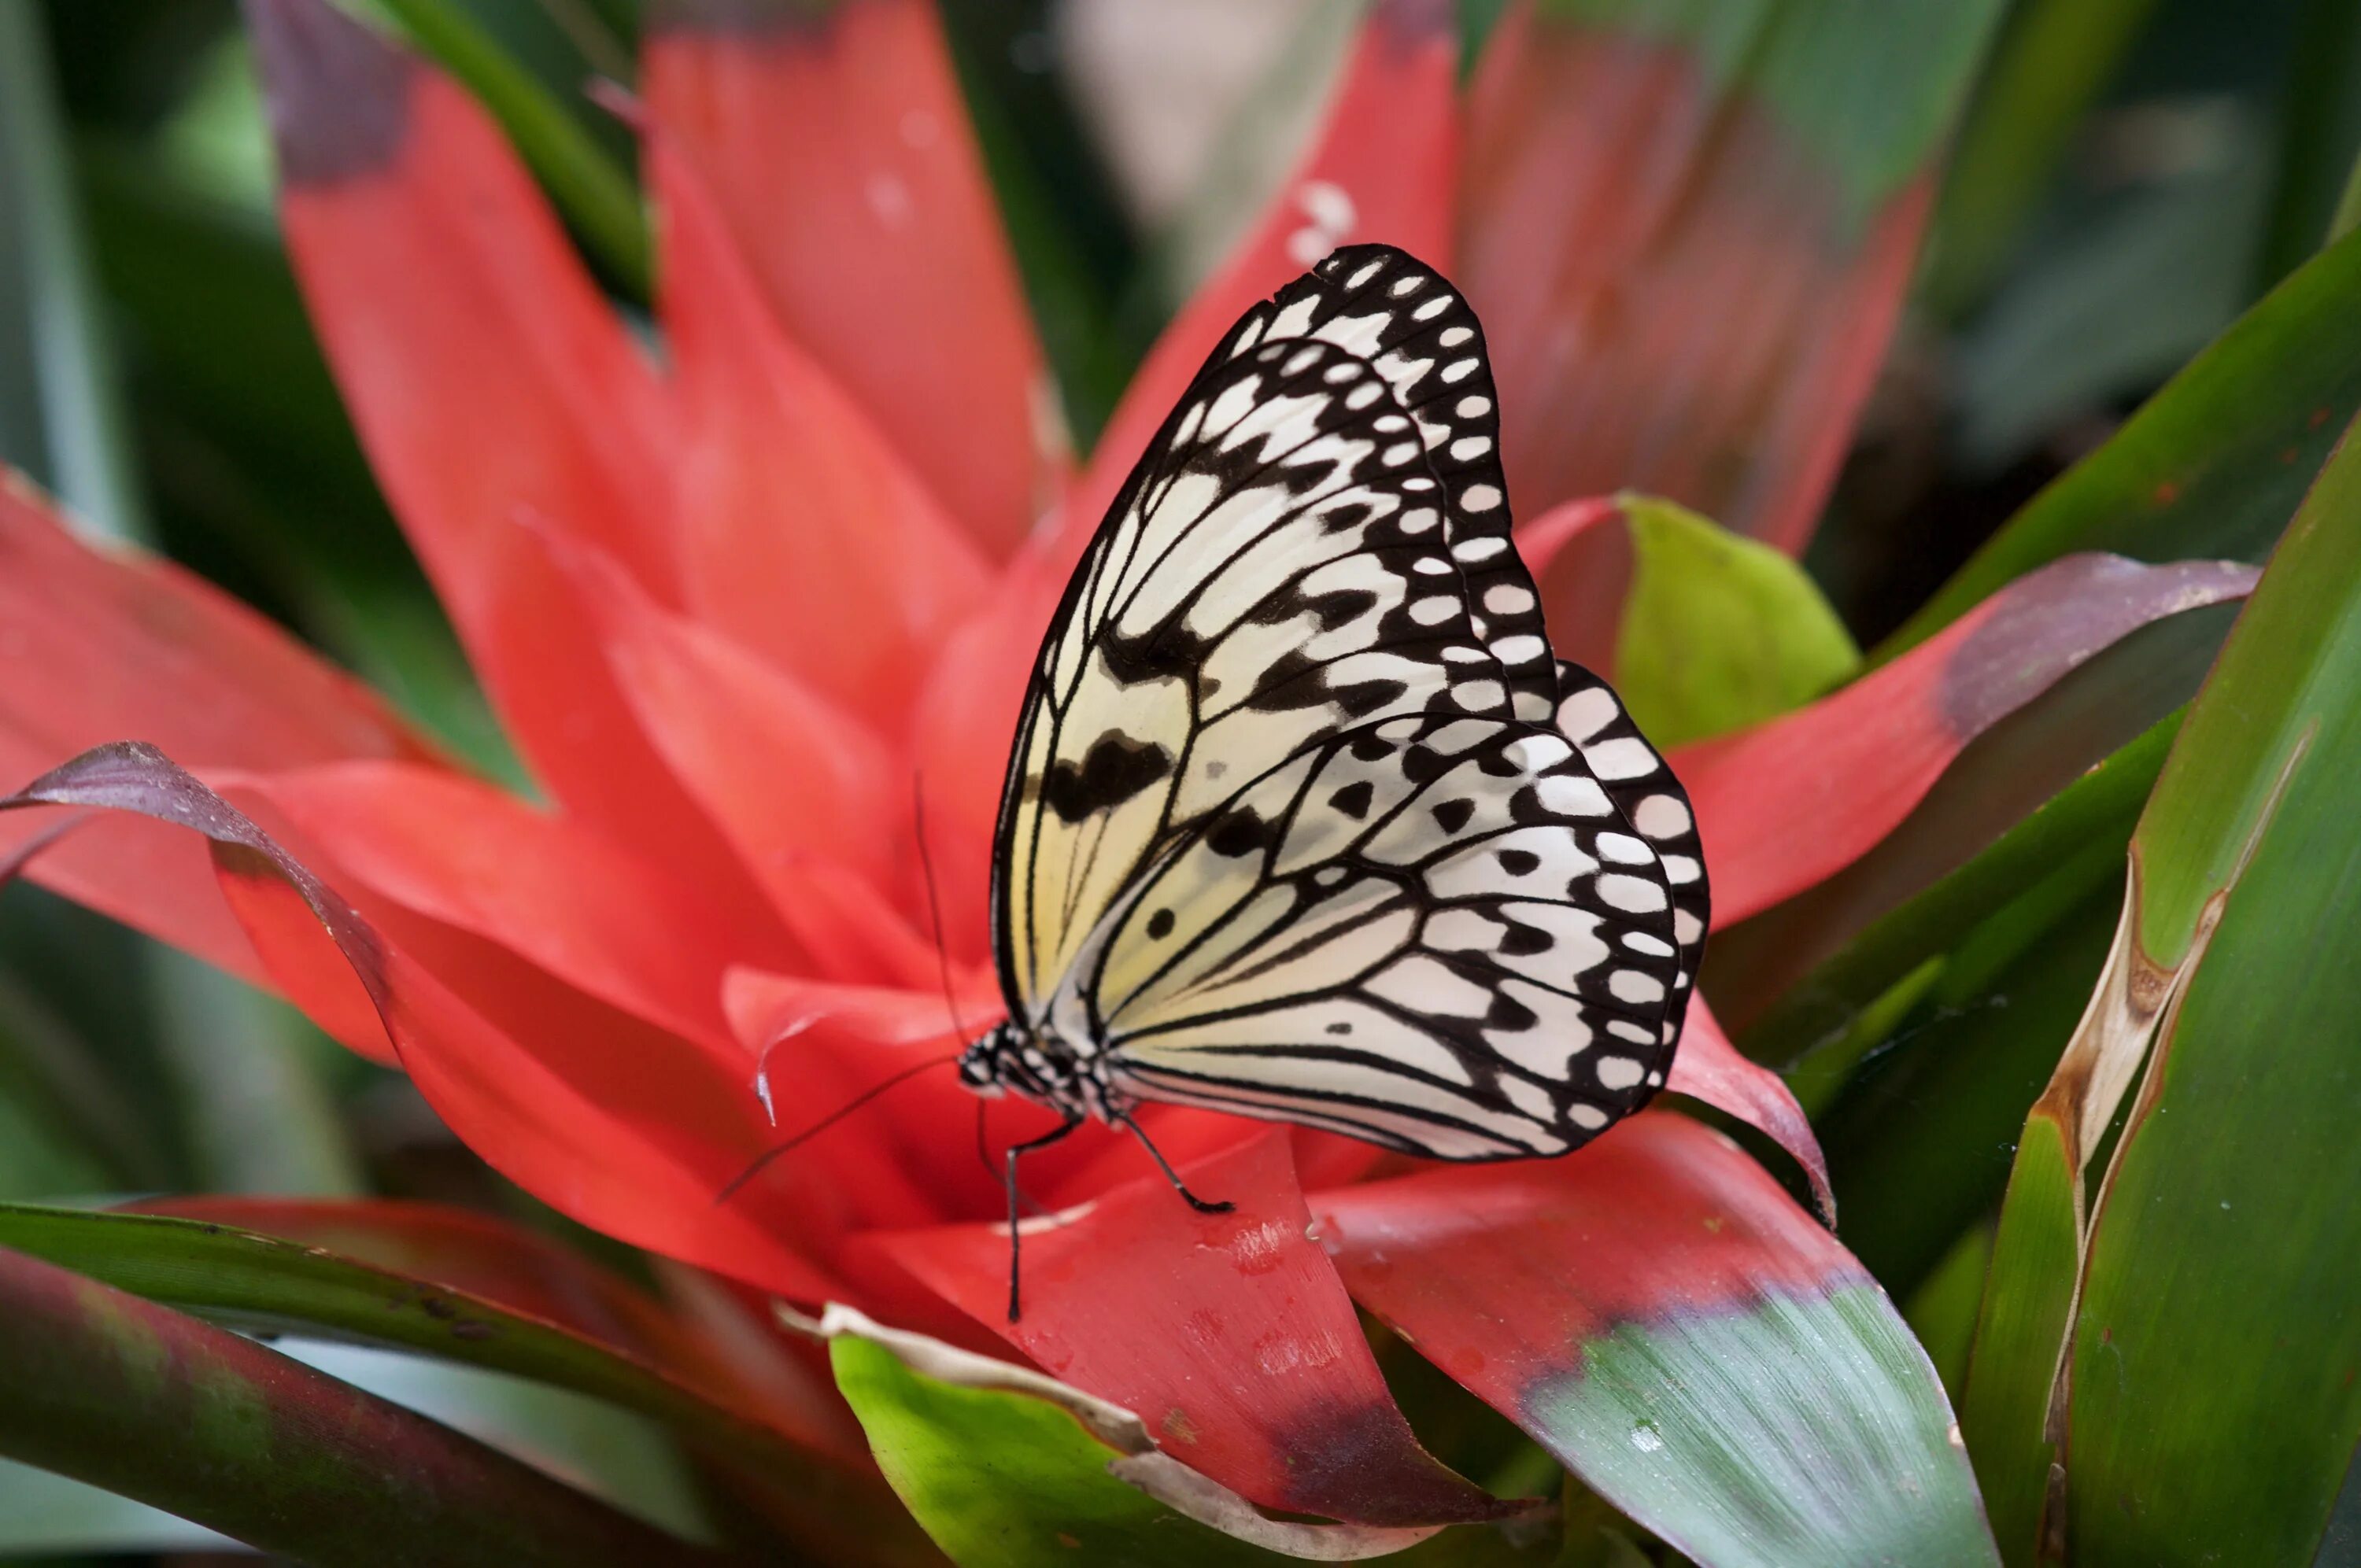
<point>1497,1272</point>
<point>1381,168</point>
<point>800,533</point>
<point>104,641</point>
<point>1708,1067</point>
<point>1661,1316</point>
<point>865,1034</point>
<point>1793,801</point>
<point>806,794</point>
<point>628,1129</point>
<point>1675,295</point>
<point>838,144</point>
<point>490,385</point>
<point>1229,1334</point>
<point>588,911</point>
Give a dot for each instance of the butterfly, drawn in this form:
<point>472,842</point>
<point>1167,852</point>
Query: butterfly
<point>1303,820</point>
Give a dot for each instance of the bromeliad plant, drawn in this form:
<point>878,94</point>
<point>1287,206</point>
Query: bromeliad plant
<point>757,607</point>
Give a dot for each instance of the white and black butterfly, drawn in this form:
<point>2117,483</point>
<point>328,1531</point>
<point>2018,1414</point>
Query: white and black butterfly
<point>1304,821</point>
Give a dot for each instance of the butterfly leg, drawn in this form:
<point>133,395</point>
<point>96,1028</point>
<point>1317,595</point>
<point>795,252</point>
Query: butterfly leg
<point>1015,1153</point>
<point>1123,1119</point>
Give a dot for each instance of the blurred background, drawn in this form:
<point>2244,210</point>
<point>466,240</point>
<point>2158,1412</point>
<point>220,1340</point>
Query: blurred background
<point>2130,175</point>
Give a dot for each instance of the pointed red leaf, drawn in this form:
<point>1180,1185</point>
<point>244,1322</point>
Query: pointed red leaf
<point>460,321</point>
<point>1709,1067</point>
<point>99,642</point>
<point>801,1031</point>
<point>1229,1334</point>
<point>104,640</point>
<point>586,909</point>
<point>491,384</point>
<point>1382,168</point>
<point>1659,1314</point>
<point>837,142</point>
<point>1792,802</point>
<point>807,796</point>
<point>800,532</point>
<point>627,1128</point>
<point>154,880</point>
<point>1688,269</point>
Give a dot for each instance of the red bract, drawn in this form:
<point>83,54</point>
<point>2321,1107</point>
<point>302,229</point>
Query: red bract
<point>739,612</point>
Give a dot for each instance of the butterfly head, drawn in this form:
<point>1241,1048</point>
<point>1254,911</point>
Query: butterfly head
<point>994,1063</point>
<point>1010,1058</point>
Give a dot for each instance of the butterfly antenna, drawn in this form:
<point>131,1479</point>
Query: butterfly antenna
<point>763,1160</point>
<point>934,904</point>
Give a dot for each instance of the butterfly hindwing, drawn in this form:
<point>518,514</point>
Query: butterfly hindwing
<point>1635,776</point>
<point>1435,932</point>
<point>1300,550</point>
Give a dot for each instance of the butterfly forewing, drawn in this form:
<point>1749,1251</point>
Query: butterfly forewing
<point>1286,560</point>
<point>1435,933</point>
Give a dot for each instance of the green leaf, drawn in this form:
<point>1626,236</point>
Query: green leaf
<point>252,1081</point>
<point>635,1358</point>
<point>256,1282</point>
<point>1008,1469</point>
<point>1920,1141</point>
<point>83,451</point>
<point>1867,89</point>
<point>2230,1191</point>
<point>1762,972</point>
<point>2319,132</point>
<point>2212,466</point>
<point>1720,631</point>
<point>1000,1479</point>
<point>2053,59</point>
<point>595,194</point>
<point>43,1515</point>
<point>1942,1310</point>
<point>2220,1263</point>
<point>2077,836</point>
<point>1072,242</point>
<point>2109,309</point>
<point>2028,1297</point>
<point>144,1402</point>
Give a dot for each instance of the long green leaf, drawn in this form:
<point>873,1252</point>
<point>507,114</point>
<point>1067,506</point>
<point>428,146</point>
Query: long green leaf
<point>256,1282</point>
<point>2214,464</point>
<point>2005,777</point>
<point>87,455</point>
<point>106,1388</point>
<point>43,1513</point>
<point>2078,833</point>
<point>2053,57</point>
<point>633,1358</point>
<point>2199,1414</point>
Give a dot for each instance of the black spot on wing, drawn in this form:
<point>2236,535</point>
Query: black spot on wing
<point>1115,769</point>
<point>1242,832</point>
